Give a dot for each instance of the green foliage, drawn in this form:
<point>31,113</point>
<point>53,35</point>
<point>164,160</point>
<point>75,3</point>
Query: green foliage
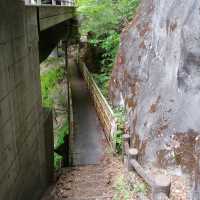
<point>62,132</point>
<point>104,20</point>
<point>126,192</point>
<point>48,83</point>
<point>118,141</point>
<point>103,16</point>
<point>121,118</point>
<point>57,161</point>
<point>102,81</point>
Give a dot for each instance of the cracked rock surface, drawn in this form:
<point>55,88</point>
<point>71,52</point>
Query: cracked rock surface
<point>157,78</point>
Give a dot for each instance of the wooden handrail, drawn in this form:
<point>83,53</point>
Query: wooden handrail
<point>104,111</point>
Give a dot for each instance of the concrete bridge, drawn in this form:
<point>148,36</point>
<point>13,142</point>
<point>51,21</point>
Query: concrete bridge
<point>28,33</point>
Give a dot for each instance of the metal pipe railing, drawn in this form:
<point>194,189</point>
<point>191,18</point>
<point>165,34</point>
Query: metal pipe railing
<point>51,2</point>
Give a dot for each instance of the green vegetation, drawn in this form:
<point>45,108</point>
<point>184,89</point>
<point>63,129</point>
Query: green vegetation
<point>61,133</point>
<point>48,83</point>
<point>121,118</point>
<point>103,22</point>
<point>57,161</point>
<point>53,73</point>
<point>140,188</point>
<point>126,191</point>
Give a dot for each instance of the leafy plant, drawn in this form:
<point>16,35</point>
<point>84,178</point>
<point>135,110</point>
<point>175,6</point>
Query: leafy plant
<point>118,140</point>
<point>102,21</point>
<point>57,161</point>
<point>48,83</point>
<point>120,115</point>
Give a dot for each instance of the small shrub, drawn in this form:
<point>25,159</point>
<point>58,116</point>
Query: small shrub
<point>121,118</point>
<point>57,161</point>
<point>140,188</point>
<point>48,83</point>
<point>118,141</point>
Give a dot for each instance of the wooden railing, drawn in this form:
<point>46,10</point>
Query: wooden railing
<point>51,2</point>
<point>104,111</point>
<point>160,184</point>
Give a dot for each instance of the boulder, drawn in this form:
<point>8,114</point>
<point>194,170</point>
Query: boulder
<point>156,77</point>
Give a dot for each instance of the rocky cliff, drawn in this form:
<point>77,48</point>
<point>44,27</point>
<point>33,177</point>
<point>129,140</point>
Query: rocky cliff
<point>157,78</point>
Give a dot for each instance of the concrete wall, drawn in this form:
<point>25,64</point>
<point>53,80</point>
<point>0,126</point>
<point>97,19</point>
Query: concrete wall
<point>22,149</point>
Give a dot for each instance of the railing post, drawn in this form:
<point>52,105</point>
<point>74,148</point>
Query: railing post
<point>53,2</point>
<point>161,187</point>
<point>132,154</point>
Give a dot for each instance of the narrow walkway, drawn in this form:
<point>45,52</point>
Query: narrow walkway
<point>92,178</point>
<point>88,133</point>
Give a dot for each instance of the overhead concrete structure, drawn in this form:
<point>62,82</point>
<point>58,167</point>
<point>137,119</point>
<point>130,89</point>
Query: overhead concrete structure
<point>24,160</point>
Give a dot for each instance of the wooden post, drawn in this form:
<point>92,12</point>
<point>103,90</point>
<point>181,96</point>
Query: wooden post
<point>161,187</point>
<point>132,154</point>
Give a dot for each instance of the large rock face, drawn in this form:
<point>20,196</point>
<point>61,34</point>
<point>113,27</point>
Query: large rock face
<point>157,78</point>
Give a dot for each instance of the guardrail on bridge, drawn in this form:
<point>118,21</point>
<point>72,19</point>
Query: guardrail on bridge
<point>51,2</point>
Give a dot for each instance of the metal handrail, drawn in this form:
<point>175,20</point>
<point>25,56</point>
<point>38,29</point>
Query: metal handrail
<point>51,2</point>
